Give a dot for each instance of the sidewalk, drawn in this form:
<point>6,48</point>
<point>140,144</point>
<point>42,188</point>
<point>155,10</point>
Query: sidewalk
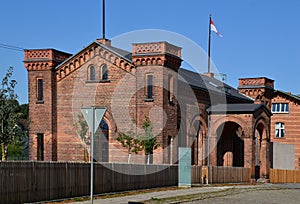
<point>166,194</point>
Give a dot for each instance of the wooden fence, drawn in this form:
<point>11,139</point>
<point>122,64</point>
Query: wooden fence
<point>284,176</point>
<point>33,181</point>
<point>39,181</point>
<point>221,174</point>
<point>197,177</point>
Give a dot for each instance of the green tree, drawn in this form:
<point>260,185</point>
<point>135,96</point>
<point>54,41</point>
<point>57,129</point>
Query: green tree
<point>130,141</point>
<point>148,141</point>
<point>10,131</point>
<point>82,129</point>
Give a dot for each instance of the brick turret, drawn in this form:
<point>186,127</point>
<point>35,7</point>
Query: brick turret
<point>157,64</point>
<point>40,64</point>
<point>261,89</point>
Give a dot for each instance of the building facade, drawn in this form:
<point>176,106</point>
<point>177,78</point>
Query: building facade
<point>221,125</point>
<point>284,130</point>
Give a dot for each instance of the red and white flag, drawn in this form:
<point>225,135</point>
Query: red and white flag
<point>213,28</point>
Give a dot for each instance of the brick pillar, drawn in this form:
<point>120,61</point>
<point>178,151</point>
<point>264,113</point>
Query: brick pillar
<point>264,159</point>
<point>248,154</point>
<point>213,150</point>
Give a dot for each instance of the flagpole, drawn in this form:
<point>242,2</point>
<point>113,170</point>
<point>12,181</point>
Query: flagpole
<point>103,19</point>
<point>209,39</point>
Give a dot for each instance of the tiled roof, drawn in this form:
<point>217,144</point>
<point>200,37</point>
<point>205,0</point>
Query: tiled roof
<point>204,82</point>
<point>237,108</point>
<point>288,94</point>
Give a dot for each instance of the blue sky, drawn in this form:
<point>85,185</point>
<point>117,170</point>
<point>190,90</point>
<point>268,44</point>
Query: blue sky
<point>261,37</point>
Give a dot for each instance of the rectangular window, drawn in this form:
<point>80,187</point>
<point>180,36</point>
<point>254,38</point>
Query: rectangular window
<point>40,146</point>
<point>279,130</point>
<point>280,107</point>
<point>170,88</point>
<point>149,86</point>
<point>40,91</point>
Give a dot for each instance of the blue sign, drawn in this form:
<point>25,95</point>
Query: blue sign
<point>184,167</point>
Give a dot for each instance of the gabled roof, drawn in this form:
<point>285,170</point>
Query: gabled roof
<point>237,108</point>
<point>288,95</point>
<point>119,52</point>
<point>200,81</point>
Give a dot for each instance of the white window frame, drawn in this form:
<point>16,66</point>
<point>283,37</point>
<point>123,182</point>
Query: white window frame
<point>279,130</point>
<point>280,108</point>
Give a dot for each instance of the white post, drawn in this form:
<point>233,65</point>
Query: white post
<point>92,155</point>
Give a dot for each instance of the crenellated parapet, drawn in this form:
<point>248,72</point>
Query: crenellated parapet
<point>156,54</point>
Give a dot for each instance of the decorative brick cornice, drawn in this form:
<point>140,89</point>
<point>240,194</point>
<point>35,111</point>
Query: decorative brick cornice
<point>256,82</point>
<point>43,59</point>
<point>89,53</point>
<point>156,54</point>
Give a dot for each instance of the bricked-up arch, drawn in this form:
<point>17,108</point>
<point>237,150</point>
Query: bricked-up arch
<point>230,147</point>
<point>197,133</point>
<point>101,142</point>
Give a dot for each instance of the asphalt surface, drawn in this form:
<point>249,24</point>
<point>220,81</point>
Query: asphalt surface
<point>233,194</point>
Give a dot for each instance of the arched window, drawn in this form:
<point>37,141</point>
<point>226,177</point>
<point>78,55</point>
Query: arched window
<point>104,72</point>
<point>92,73</point>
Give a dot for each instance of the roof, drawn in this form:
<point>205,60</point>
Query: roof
<point>203,82</point>
<point>119,52</point>
<point>237,108</point>
<point>122,53</point>
<point>195,80</point>
<point>288,94</point>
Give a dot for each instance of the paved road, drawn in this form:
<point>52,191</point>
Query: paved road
<point>286,196</point>
<point>265,193</point>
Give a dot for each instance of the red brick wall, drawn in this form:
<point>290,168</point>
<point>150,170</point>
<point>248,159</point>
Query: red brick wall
<point>40,65</point>
<point>291,122</point>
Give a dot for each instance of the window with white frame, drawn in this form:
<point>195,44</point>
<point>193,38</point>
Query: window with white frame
<point>279,130</point>
<point>280,108</point>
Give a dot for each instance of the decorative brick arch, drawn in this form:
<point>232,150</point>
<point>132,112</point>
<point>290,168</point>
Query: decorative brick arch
<point>261,137</point>
<point>228,118</point>
<point>227,140</point>
<point>198,143</point>
<point>262,120</point>
<point>111,124</point>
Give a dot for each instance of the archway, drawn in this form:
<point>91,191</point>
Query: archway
<point>101,147</point>
<point>230,147</point>
<point>197,134</point>
<point>261,150</point>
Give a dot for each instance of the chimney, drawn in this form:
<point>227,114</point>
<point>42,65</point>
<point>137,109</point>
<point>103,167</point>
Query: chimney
<point>209,74</point>
<point>104,41</point>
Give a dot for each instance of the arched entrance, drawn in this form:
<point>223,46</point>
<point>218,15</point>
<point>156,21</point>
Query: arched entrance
<point>261,150</point>
<point>197,133</point>
<point>230,147</point>
<point>101,142</point>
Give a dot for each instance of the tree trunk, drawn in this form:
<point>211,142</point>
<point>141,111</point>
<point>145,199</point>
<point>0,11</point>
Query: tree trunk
<point>148,158</point>
<point>129,157</point>
<point>3,152</point>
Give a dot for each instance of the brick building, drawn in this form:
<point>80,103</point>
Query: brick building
<point>222,126</point>
<point>284,130</point>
